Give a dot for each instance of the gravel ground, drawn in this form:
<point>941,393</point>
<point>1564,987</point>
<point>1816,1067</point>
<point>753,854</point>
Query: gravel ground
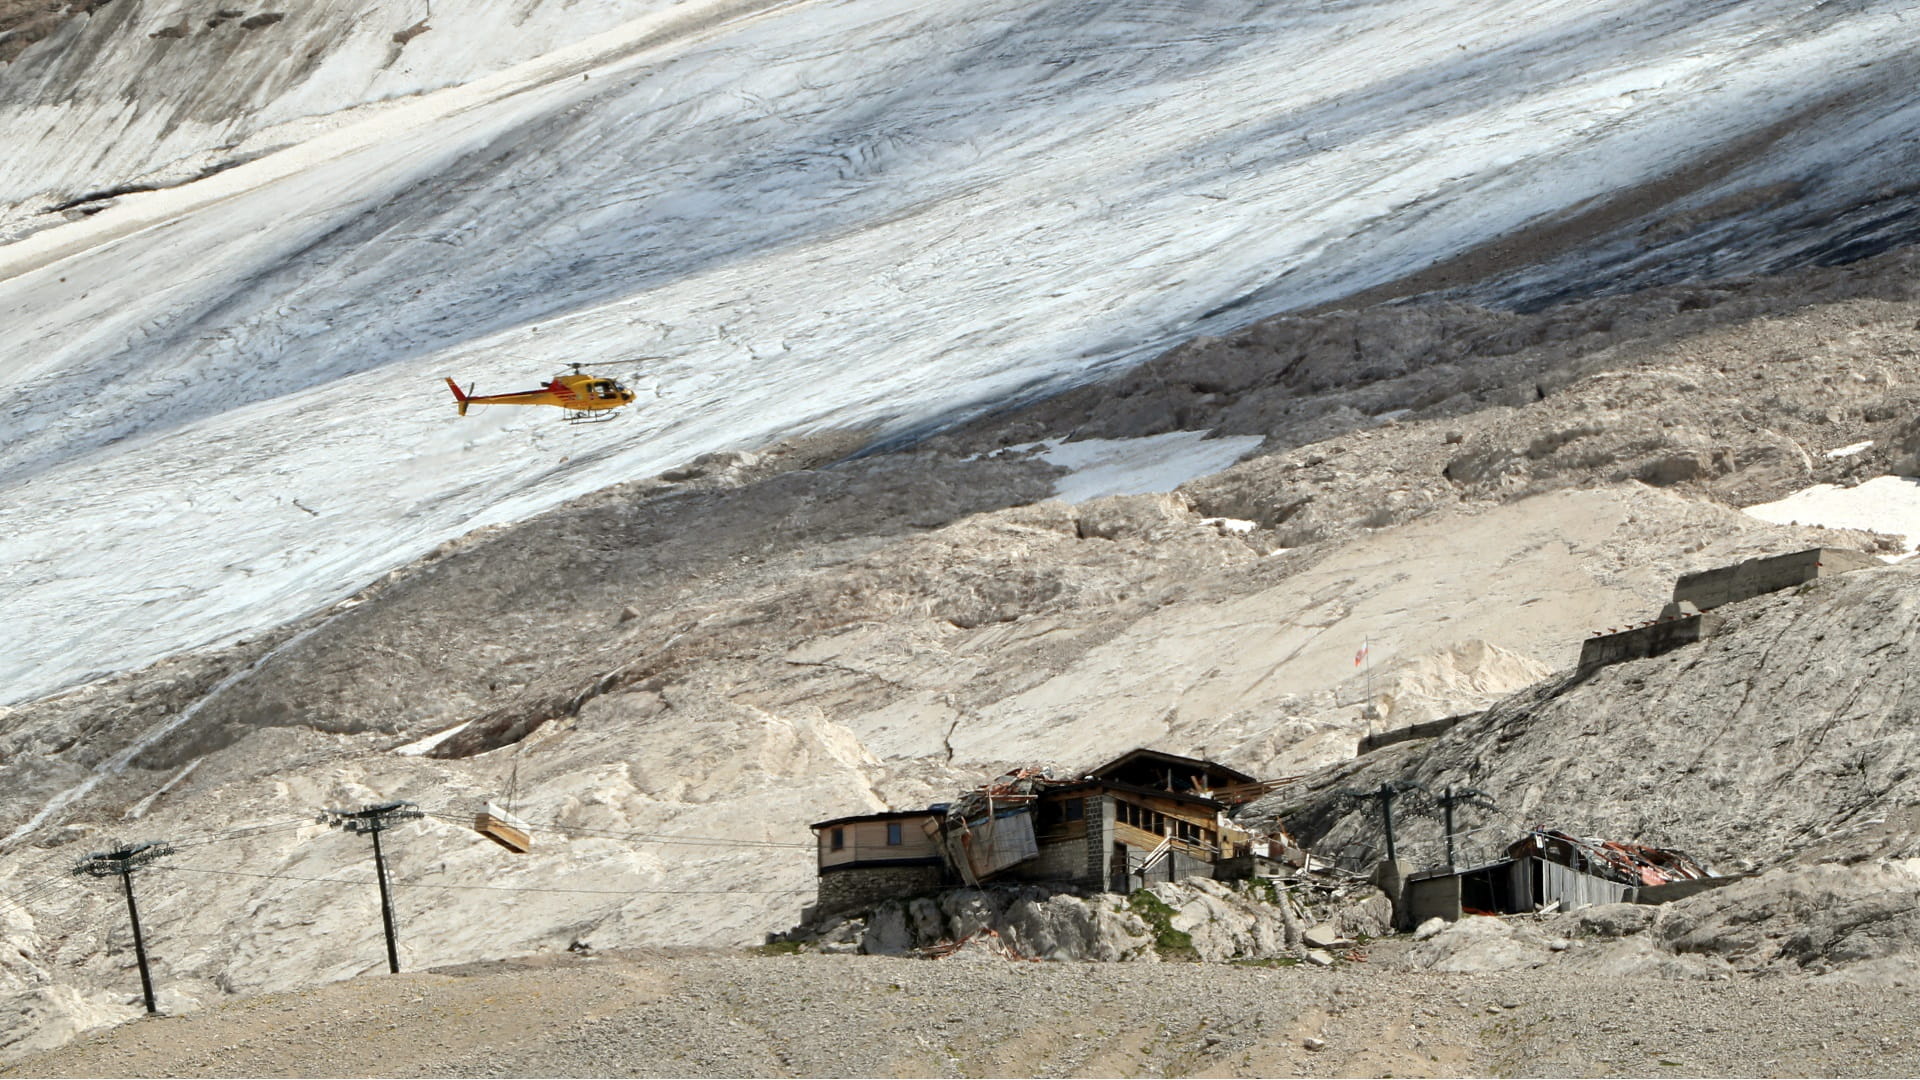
<point>725,1014</point>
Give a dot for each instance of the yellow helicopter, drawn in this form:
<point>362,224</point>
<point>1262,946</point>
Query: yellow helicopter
<point>587,399</point>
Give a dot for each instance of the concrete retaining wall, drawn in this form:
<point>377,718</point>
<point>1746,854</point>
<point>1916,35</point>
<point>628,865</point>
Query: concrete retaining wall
<point>1431,898</point>
<point>1756,577</point>
<point>1370,743</point>
<point>1644,641</point>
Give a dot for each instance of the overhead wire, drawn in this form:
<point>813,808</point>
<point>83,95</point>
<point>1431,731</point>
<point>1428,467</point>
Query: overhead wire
<point>242,832</point>
<point>415,884</point>
<point>637,837</point>
<point>43,888</point>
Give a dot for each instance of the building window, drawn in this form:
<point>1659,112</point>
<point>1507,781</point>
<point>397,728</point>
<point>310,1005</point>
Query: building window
<point>1141,818</point>
<point>839,839</point>
<point>893,834</point>
<point>1076,810</point>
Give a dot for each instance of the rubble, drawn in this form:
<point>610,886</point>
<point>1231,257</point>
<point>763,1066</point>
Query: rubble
<point>1629,863</point>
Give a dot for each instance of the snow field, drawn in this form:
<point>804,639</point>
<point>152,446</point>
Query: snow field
<point>1886,504</point>
<point>227,410</point>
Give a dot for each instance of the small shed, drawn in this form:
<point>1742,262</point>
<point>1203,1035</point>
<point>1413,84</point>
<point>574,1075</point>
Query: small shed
<point>1548,867</point>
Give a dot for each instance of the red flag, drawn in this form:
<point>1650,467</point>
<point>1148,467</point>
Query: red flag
<point>1365,647</point>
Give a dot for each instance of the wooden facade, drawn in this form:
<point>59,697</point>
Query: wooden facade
<point>1172,772</point>
<point>887,839</point>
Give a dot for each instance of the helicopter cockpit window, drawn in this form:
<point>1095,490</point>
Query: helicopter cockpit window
<point>602,390</point>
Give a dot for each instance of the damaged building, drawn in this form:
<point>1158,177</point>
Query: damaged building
<point>1145,816</point>
<point>1548,868</point>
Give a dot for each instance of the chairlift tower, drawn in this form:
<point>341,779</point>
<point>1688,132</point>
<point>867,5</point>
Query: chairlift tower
<point>1385,795</point>
<point>374,820</point>
<point>1453,797</point>
<point>121,862</point>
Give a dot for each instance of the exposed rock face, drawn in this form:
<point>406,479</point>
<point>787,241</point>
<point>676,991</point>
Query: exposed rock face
<point>1797,720</point>
<point>1856,922</point>
<point>1719,387</point>
<point>1195,919</point>
<point>1482,944</point>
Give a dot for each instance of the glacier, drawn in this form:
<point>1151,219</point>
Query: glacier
<point>222,405</point>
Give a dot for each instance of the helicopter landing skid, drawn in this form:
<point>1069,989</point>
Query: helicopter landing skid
<point>582,416</point>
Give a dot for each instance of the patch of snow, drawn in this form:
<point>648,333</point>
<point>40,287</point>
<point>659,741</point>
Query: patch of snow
<point>1849,451</point>
<point>422,747</point>
<point>1144,466</point>
<point>1885,504</point>
<point>1232,525</point>
<point>1393,415</point>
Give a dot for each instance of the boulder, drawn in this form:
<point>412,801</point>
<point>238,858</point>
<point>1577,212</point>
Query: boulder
<point>1476,944</point>
<point>1326,936</point>
<point>888,932</point>
<point>968,912</point>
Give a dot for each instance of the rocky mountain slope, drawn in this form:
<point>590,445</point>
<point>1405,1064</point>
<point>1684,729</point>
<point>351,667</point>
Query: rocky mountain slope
<point>1787,735</point>
<point>675,675</point>
<point>1005,478</point>
<point>783,218</point>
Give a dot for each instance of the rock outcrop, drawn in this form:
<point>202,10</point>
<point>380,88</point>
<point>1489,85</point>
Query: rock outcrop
<point>1794,730</point>
<point>1195,919</point>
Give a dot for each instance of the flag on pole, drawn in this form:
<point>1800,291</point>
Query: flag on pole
<point>1359,657</point>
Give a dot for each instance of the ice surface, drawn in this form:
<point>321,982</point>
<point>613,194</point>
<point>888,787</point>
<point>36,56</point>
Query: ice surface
<point>1850,450</point>
<point>222,406</point>
<point>1887,504</point>
<point>1144,466</point>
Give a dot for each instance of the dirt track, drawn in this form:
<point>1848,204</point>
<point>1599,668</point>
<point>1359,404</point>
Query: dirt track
<point>724,1014</point>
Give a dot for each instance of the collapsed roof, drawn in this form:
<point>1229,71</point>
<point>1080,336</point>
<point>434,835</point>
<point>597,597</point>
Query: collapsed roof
<point>1615,860</point>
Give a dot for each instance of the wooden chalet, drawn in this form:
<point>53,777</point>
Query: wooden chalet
<point>1145,816</point>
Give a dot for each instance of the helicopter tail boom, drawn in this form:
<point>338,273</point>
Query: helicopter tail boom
<point>458,397</point>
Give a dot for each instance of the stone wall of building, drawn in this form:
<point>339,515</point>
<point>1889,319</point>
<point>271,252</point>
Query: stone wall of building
<point>1059,860</point>
<point>857,887</point>
<point>1100,870</point>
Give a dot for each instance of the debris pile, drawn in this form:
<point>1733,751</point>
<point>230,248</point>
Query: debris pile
<point>1615,860</point>
<point>989,828</point>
